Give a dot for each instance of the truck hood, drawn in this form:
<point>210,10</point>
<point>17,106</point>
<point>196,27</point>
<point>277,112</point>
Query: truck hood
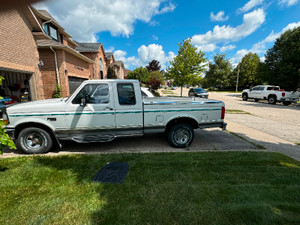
<point>38,106</point>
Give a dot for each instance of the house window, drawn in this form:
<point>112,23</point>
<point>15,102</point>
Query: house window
<point>101,64</point>
<point>51,31</point>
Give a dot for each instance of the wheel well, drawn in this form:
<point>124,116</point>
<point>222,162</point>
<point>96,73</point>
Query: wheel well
<point>193,123</point>
<point>22,126</point>
<point>245,94</point>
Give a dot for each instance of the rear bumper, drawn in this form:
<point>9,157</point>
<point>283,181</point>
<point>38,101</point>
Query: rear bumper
<point>222,125</point>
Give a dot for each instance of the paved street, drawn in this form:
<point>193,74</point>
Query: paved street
<point>271,127</point>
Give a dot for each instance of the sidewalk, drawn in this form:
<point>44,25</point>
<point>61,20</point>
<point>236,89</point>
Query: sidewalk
<point>271,143</point>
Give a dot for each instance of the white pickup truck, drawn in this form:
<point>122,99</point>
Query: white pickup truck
<point>101,110</point>
<point>271,93</point>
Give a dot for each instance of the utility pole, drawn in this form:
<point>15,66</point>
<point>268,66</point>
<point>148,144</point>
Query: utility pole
<point>237,79</point>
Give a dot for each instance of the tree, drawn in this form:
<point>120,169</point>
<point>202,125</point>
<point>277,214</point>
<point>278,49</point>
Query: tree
<point>282,61</point>
<point>218,73</point>
<point>154,65</point>
<point>187,66</point>
<point>155,80</point>
<point>111,74</point>
<point>248,69</point>
<point>140,74</point>
<point>5,140</point>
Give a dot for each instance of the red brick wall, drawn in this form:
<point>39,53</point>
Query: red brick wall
<point>18,48</point>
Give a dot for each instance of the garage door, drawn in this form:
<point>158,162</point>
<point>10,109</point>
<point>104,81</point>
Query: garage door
<point>74,83</point>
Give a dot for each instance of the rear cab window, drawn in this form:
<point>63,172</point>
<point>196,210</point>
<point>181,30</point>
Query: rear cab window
<point>126,94</point>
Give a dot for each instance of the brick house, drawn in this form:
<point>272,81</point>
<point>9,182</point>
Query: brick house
<point>37,54</point>
<point>94,51</point>
<point>119,69</point>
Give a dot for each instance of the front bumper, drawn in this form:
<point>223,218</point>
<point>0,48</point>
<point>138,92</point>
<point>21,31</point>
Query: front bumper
<point>10,132</point>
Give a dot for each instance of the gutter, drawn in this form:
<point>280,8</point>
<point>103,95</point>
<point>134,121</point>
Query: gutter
<point>56,66</point>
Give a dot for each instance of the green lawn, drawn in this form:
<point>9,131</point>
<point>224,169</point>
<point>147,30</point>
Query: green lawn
<point>166,188</point>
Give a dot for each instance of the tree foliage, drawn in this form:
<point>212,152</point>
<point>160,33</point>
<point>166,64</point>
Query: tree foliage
<point>111,74</point>
<point>155,80</point>
<point>187,66</point>
<point>5,140</point>
<point>248,69</point>
<point>218,73</point>
<point>140,74</point>
<point>282,61</point>
<point>154,65</point>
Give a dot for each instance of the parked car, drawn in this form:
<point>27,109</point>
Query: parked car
<point>37,126</point>
<point>146,92</point>
<point>271,93</point>
<point>198,92</point>
<point>174,87</point>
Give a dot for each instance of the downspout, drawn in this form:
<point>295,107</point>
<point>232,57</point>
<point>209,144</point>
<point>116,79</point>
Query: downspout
<point>56,66</point>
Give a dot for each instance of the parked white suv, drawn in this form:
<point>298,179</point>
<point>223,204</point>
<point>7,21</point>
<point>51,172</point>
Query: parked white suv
<point>271,93</point>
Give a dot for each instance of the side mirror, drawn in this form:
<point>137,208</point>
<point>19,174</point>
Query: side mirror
<point>83,102</point>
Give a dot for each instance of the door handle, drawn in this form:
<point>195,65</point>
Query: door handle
<point>108,108</point>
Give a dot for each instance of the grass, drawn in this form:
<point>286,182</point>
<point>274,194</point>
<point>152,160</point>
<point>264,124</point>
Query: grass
<point>236,111</point>
<point>166,188</point>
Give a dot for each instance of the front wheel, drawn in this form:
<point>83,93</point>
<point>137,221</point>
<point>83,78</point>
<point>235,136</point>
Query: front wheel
<point>245,97</point>
<point>34,140</point>
<point>181,135</point>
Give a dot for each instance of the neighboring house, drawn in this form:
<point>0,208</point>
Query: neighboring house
<point>37,54</point>
<point>19,57</point>
<point>119,69</point>
<point>62,64</point>
<point>94,51</point>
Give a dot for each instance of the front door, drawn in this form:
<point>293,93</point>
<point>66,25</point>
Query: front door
<point>96,116</point>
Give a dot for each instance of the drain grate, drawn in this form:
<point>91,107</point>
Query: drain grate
<point>114,172</point>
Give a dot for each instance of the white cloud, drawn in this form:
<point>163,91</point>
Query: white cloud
<point>218,17</point>
<point>227,48</point>
<point>288,3</point>
<point>250,5</point>
<point>155,38</point>
<point>145,55</point>
<point>251,22</point>
<point>83,19</point>
<point>260,47</point>
<point>207,47</point>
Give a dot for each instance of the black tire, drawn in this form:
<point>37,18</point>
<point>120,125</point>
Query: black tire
<point>245,97</point>
<point>181,135</point>
<point>256,100</point>
<point>34,140</point>
<point>272,100</point>
<point>286,103</point>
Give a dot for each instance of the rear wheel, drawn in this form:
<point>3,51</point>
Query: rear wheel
<point>286,103</point>
<point>272,100</point>
<point>245,97</point>
<point>34,140</point>
<point>181,135</point>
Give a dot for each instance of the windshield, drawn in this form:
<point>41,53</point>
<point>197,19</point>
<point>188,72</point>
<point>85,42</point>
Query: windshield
<point>199,90</point>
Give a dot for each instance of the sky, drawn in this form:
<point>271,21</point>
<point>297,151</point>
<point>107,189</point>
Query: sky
<point>138,31</point>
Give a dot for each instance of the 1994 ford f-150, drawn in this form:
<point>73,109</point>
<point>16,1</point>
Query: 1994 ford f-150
<point>101,110</point>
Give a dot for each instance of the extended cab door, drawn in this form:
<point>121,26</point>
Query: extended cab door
<point>129,111</point>
<point>94,116</point>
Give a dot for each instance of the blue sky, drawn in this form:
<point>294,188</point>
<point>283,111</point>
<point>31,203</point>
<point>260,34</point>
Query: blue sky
<point>138,31</point>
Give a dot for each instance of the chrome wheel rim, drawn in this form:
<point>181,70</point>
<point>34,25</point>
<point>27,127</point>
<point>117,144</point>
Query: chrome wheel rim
<point>34,141</point>
<point>181,136</point>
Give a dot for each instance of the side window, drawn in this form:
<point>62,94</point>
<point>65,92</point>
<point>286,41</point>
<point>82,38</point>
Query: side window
<point>255,88</point>
<point>126,94</point>
<point>94,94</point>
<point>261,88</point>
